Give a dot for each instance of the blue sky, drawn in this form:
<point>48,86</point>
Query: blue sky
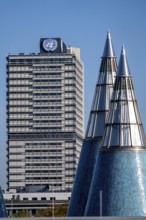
<point>80,23</point>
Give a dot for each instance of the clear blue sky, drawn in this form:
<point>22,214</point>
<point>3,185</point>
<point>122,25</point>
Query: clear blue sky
<point>80,23</point>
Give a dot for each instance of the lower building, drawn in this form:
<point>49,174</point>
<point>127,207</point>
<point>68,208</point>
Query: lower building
<point>31,202</point>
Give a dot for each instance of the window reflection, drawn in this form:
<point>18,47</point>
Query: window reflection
<point>125,135</point>
<point>91,125</point>
<point>96,98</point>
<point>107,137</point>
<point>117,110</point>
<point>115,136</point>
<point>124,112</point>
<point>132,113</point>
<point>135,135</point>
<point>102,104</point>
<point>100,124</point>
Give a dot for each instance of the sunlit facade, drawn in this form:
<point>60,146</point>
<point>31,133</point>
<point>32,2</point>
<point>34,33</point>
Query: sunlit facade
<point>45,117</point>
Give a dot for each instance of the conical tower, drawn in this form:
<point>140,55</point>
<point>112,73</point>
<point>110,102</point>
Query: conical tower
<point>95,129</point>
<point>3,212</point>
<point>118,186</point>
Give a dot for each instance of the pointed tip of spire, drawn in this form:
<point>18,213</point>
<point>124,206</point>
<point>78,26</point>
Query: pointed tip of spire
<point>123,68</point>
<point>108,35</point>
<point>108,48</point>
<point>123,52</point>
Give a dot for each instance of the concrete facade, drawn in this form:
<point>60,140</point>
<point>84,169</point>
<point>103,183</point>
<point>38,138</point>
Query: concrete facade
<point>33,201</point>
<point>44,117</point>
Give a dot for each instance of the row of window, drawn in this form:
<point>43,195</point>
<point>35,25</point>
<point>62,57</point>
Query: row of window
<point>42,157</point>
<point>43,164</point>
<point>44,171</point>
<point>39,60</point>
<point>43,178</point>
<point>41,151</point>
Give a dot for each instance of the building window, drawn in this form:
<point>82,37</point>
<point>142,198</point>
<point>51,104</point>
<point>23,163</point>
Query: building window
<point>34,198</point>
<point>25,199</point>
<point>43,198</point>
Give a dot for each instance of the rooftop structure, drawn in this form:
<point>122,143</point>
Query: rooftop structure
<point>118,186</point>
<point>95,130</point>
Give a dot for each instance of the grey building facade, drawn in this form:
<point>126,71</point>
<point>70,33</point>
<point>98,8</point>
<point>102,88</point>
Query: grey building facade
<point>44,117</point>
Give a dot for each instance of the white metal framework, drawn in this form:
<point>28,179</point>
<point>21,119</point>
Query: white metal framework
<point>124,127</point>
<point>103,92</point>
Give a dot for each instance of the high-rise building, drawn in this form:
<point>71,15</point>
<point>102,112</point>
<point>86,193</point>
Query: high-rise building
<point>44,117</point>
<point>118,186</point>
<point>95,130</point>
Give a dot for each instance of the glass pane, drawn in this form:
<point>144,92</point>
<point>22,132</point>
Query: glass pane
<point>100,122</point>
<point>129,94</point>
<point>115,140</point>
<point>132,113</point>
<point>109,119</point>
<point>124,112</point>
<point>137,113</point>
<point>125,135</point>
<point>133,94</point>
<point>109,66</point>
<point>143,140</point>
<point>91,125</point>
<point>110,78</point>
<point>109,95</point>
<point>102,66</point>
<point>100,78</point>
<point>117,93</point>
<point>114,77</point>
<point>123,94</point>
<point>117,108</point>
<point>103,78</point>
<point>96,98</point>
<point>135,135</point>
<point>107,136</point>
<point>102,100</point>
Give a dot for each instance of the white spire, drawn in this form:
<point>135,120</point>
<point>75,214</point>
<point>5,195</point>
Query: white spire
<point>123,68</point>
<point>108,48</point>
<point>103,93</point>
<point>124,127</point>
